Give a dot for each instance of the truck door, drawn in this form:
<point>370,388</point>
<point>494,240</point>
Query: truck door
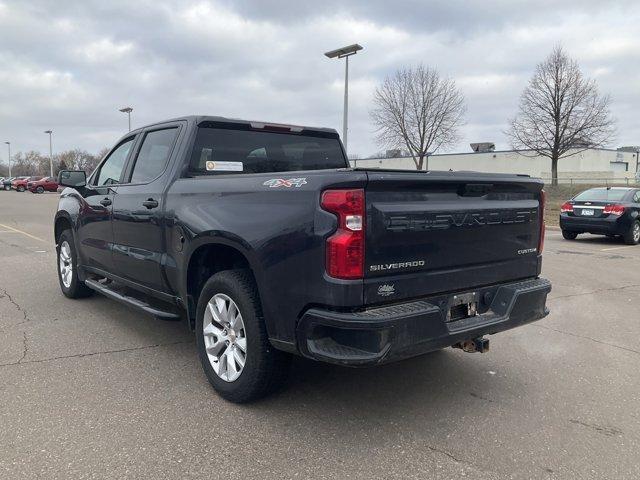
<point>138,210</point>
<point>95,234</point>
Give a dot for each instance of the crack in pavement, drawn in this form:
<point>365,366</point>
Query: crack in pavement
<point>90,354</point>
<point>17,305</point>
<point>626,349</point>
<point>599,290</point>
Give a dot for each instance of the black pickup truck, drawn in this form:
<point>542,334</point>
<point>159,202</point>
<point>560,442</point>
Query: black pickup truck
<point>263,239</point>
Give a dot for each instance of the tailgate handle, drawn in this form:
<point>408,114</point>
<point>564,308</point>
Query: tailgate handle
<point>476,189</point>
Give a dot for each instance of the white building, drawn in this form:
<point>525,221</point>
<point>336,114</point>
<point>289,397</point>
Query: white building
<point>591,164</point>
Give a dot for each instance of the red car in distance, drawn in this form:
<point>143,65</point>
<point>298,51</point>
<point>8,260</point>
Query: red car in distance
<point>20,184</point>
<point>46,184</point>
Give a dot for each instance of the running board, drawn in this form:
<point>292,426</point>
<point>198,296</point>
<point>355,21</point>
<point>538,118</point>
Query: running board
<point>131,301</point>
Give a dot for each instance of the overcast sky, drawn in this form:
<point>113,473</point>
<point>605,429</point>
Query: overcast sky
<point>69,66</point>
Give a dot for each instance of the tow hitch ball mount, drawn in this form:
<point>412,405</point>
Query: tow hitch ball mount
<point>478,344</point>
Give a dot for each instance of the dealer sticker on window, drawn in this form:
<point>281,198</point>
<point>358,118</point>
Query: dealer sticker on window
<point>224,166</point>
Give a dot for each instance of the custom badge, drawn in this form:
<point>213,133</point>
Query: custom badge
<point>386,290</point>
<point>287,183</point>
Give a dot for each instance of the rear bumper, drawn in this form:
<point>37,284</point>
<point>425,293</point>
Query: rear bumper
<point>611,225</point>
<point>391,333</point>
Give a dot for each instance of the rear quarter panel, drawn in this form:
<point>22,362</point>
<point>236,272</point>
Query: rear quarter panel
<point>280,230</point>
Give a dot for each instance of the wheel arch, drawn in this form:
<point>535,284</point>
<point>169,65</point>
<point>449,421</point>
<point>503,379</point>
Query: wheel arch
<point>207,259</point>
<point>62,223</point>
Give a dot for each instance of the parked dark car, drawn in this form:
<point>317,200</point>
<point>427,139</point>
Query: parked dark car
<point>268,244</point>
<point>20,183</point>
<point>46,184</point>
<point>611,211</point>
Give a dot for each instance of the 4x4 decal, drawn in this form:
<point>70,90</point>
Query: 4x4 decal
<point>288,183</point>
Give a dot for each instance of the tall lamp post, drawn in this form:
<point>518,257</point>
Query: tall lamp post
<point>128,111</point>
<point>50,152</point>
<point>345,52</point>
<point>9,147</point>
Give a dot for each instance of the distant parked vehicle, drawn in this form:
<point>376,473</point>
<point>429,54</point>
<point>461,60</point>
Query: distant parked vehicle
<point>611,211</point>
<point>7,181</point>
<point>20,184</point>
<point>46,184</point>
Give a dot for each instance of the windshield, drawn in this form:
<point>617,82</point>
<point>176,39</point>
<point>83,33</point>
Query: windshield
<point>601,195</point>
<point>225,150</point>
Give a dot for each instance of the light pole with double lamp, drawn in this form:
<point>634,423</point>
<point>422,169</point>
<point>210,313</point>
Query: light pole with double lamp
<point>345,52</point>
<point>9,147</point>
<point>128,111</point>
<point>50,152</point>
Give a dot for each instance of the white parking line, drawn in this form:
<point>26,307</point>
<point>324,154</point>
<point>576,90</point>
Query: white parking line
<point>23,233</point>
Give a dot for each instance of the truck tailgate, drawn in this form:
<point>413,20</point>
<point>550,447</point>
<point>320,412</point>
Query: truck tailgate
<point>433,232</point>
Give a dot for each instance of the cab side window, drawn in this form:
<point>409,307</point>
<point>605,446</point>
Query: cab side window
<point>154,154</point>
<point>111,169</point>
<point>636,197</point>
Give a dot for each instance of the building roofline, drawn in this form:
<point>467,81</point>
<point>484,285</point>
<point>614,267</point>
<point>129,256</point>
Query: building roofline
<point>487,153</point>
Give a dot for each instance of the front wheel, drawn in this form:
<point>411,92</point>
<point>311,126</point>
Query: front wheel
<point>569,235</point>
<point>40,189</point>
<point>232,340</point>
<point>20,188</point>
<point>632,237</point>
<point>70,285</point>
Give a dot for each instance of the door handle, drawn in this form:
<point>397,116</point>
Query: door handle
<point>105,202</point>
<point>150,203</point>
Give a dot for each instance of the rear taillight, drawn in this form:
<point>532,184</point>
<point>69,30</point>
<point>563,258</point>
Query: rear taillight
<point>613,210</point>
<point>345,248</point>
<point>543,228</point>
<point>566,207</point>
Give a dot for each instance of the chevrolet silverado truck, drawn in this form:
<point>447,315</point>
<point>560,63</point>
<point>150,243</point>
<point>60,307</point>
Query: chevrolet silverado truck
<point>266,243</point>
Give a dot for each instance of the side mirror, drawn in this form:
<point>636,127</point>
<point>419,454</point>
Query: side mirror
<point>72,178</point>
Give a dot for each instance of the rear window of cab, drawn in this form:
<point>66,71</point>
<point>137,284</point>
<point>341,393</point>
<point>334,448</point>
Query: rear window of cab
<point>228,150</point>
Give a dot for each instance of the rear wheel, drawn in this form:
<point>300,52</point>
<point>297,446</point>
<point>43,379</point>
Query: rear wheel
<point>632,237</point>
<point>70,285</point>
<point>569,235</point>
<point>232,340</point>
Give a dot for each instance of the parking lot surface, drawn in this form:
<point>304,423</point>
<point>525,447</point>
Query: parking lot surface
<point>93,389</point>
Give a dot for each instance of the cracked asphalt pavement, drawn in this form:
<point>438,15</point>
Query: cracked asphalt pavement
<point>93,389</point>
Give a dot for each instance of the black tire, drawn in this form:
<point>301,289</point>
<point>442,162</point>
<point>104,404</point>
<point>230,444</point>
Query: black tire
<point>20,188</point>
<point>76,288</point>
<point>265,369</point>
<point>569,235</point>
<point>40,189</point>
<point>632,237</point>
<point>7,187</point>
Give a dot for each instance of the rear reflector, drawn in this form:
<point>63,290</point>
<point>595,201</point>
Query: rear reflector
<point>345,248</point>
<point>566,207</point>
<point>613,210</point>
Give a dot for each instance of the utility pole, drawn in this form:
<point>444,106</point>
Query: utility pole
<point>50,132</point>
<point>345,52</point>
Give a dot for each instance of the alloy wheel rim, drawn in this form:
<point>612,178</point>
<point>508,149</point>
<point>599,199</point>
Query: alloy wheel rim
<point>225,338</point>
<point>636,232</point>
<point>66,266</point>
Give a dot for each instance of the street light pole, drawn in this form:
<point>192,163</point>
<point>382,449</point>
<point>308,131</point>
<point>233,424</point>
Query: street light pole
<point>345,52</point>
<point>9,147</point>
<point>50,152</point>
<point>128,111</point>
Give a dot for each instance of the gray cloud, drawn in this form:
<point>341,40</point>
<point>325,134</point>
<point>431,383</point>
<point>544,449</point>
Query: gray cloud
<point>70,65</point>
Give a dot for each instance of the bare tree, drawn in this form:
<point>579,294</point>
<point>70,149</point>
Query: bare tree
<point>418,110</point>
<point>561,113</point>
